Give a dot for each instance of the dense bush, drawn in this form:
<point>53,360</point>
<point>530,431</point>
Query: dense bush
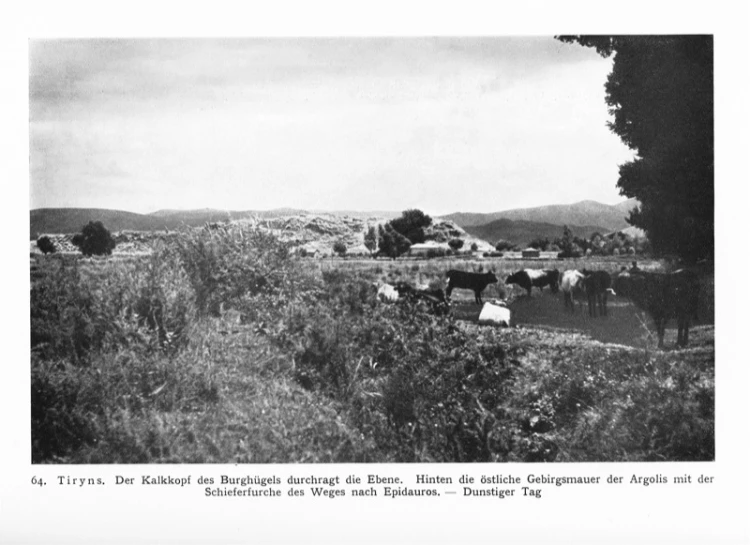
<point>94,239</point>
<point>45,245</point>
<point>228,264</point>
<point>339,248</point>
<point>504,245</point>
<point>456,244</point>
<point>103,335</point>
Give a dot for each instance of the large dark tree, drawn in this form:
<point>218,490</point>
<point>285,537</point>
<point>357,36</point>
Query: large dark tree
<point>660,93</point>
<point>94,239</point>
<point>391,242</point>
<point>411,224</point>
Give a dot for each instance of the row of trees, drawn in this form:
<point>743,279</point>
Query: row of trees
<point>94,239</point>
<point>572,246</point>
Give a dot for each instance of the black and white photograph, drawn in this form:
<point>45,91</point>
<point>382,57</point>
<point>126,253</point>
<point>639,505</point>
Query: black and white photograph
<point>464,249</point>
<point>414,273</point>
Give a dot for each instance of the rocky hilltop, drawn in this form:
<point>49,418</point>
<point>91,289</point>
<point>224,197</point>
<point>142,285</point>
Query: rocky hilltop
<point>316,233</point>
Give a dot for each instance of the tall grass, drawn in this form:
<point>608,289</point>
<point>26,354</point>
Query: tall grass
<point>142,361</point>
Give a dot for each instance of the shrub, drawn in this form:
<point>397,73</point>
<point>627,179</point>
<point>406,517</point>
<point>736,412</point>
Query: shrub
<point>94,239</point>
<point>225,266</point>
<point>504,245</point>
<point>455,244</point>
<point>339,248</point>
<point>45,245</point>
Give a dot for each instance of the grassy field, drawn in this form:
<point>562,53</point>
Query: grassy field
<point>225,348</point>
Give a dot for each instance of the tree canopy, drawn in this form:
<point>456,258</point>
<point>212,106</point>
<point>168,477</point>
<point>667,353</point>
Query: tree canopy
<point>46,245</point>
<point>94,239</point>
<point>391,242</point>
<point>371,239</point>
<point>660,94</point>
<point>411,224</point>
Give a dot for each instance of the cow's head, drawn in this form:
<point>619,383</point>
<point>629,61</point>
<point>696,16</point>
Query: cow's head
<point>491,278</point>
<point>513,278</point>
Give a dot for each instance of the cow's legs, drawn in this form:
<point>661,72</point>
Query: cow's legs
<point>683,325</point>
<point>478,297</point>
<point>660,331</point>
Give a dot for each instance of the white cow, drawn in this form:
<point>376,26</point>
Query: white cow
<point>494,314</point>
<point>387,293</point>
<point>571,282</point>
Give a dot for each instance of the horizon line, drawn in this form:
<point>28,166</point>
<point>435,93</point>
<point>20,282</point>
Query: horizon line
<point>314,210</point>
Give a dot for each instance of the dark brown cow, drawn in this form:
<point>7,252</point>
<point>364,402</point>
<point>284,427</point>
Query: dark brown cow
<point>663,296</point>
<point>597,284</point>
<point>469,281</point>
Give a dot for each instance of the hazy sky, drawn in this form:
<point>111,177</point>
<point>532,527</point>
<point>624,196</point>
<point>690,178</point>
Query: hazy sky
<point>368,124</point>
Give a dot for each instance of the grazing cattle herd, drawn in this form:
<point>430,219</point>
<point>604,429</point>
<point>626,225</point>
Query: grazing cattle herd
<point>663,296</point>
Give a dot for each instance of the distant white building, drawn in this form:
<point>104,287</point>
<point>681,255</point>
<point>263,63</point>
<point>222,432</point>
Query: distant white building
<point>423,247</point>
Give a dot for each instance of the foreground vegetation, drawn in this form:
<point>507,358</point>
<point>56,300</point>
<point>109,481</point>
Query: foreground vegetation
<point>222,347</point>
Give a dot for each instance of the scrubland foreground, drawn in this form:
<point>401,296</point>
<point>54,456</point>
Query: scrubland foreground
<point>222,347</point>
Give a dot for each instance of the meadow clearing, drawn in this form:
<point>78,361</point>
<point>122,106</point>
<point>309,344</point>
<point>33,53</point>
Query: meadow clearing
<point>225,347</point>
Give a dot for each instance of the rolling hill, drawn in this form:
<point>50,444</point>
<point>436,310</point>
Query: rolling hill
<point>584,213</point>
<point>72,220</point>
<point>521,232</point>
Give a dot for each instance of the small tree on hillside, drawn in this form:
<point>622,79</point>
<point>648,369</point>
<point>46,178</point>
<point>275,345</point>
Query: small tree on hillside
<point>340,248</point>
<point>455,244</point>
<point>474,247</point>
<point>371,240</point>
<point>45,245</point>
<point>94,239</point>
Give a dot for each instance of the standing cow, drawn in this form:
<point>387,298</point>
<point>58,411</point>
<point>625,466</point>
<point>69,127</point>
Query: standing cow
<point>597,284</point>
<point>469,281</point>
<point>663,296</point>
<point>535,278</point>
<point>571,282</point>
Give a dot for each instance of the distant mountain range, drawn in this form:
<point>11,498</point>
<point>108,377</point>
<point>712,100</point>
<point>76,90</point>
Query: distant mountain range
<point>519,226</point>
<point>606,217</point>
<point>521,232</point>
<point>72,220</point>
